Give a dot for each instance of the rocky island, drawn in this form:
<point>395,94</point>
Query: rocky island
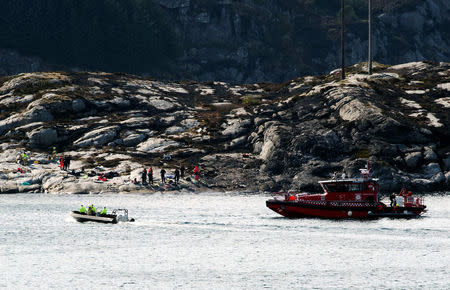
<point>248,138</point>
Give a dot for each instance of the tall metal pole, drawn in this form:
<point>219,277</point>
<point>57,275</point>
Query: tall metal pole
<point>369,63</point>
<point>342,40</point>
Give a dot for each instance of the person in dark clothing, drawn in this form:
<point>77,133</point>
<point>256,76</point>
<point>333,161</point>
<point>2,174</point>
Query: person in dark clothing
<point>392,199</point>
<point>177,176</point>
<point>67,162</point>
<point>150,175</point>
<point>182,170</point>
<point>144,176</point>
<point>163,175</point>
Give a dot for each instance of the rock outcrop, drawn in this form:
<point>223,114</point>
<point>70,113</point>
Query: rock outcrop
<point>259,137</point>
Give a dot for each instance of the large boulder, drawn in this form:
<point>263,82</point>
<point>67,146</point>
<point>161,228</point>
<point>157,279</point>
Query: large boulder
<point>78,105</point>
<point>133,139</point>
<point>156,145</point>
<point>43,137</point>
<point>429,155</point>
<point>35,114</point>
<point>161,104</point>
<point>446,162</point>
<point>98,137</point>
<point>412,159</point>
<point>236,127</point>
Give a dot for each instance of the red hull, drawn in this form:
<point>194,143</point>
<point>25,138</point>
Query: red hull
<point>344,211</point>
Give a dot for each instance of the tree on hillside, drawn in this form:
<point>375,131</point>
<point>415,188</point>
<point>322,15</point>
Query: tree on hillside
<point>111,35</point>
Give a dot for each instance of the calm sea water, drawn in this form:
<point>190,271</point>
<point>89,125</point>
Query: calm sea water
<point>215,241</point>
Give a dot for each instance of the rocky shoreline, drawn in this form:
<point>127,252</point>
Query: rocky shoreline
<point>250,138</point>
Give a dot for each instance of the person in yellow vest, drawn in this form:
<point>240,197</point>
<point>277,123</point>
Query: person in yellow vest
<point>103,211</point>
<point>82,209</point>
<point>91,210</point>
<point>54,154</point>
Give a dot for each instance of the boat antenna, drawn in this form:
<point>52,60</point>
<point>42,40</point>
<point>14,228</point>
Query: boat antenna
<point>369,62</point>
<point>342,39</point>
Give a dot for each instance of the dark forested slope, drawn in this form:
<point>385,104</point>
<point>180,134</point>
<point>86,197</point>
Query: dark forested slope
<point>229,40</point>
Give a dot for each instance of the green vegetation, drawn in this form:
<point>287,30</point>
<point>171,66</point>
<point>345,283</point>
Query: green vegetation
<point>109,35</point>
<point>363,153</point>
<point>251,100</point>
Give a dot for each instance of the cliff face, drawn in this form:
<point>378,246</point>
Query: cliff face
<point>253,40</point>
<point>250,41</point>
<point>258,137</point>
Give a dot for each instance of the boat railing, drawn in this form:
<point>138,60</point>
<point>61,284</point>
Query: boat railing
<point>419,201</point>
<point>413,201</point>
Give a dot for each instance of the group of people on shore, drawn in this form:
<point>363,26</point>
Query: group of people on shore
<point>178,173</point>
<point>92,210</point>
<point>147,175</point>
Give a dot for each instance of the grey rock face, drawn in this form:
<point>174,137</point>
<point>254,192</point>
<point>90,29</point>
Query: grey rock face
<point>43,137</point>
<point>157,145</point>
<point>446,162</point>
<point>287,140</point>
<point>429,155</point>
<point>235,127</point>
<point>412,21</point>
<point>98,137</point>
<point>133,139</point>
<point>412,159</point>
<point>174,3</point>
<point>230,40</point>
<point>78,105</point>
<point>35,114</point>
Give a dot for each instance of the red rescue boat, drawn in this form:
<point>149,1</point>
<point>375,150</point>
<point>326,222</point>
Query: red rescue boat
<point>357,198</point>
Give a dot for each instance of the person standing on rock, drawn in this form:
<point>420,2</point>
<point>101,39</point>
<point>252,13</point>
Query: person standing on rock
<point>67,163</point>
<point>61,162</point>
<point>196,173</point>
<point>144,176</point>
<point>177,176</point>
<point>182,170</point>
<point>54,154</point>
<point>25,159</point>
<point>163,175</point>
<point>150,175</point>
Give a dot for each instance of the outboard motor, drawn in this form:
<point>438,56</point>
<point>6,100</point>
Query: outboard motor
<point>123,217</point>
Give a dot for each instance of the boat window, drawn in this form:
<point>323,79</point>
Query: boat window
<point>335,187</point>
<point>339,187</point>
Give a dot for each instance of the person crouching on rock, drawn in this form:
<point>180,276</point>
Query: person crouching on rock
<point>102,177</point>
